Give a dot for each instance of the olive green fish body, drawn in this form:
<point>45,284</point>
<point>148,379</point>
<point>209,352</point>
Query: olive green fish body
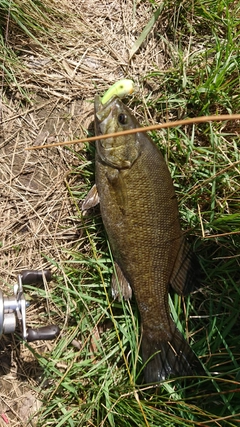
<point>140,214</point>
<point>144,243</point>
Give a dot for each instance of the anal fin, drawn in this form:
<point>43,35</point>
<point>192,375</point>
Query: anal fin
<point>119,285</point>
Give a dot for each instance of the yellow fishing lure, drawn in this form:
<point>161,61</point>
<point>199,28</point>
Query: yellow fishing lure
<point>121,88</point>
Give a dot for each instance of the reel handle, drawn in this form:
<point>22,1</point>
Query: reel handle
<point>49,332</point>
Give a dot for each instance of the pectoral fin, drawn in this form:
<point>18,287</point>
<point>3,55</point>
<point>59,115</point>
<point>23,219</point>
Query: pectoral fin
<point>120,285</point>
<point>92,199</point>
<point>186,272</point>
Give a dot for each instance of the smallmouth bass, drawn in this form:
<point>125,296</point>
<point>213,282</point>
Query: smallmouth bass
<point>140,214</point>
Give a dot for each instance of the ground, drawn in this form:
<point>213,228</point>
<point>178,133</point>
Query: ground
<point>36,210</point>
<point>91,45</point>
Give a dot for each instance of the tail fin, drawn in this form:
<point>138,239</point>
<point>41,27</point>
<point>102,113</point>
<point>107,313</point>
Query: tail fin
<point>172,356</point>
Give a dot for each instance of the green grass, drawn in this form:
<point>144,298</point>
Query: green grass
<point>100,383</point>
<point>23,23</point>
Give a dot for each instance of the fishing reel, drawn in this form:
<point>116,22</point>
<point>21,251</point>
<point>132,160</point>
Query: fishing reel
<point>13,309</point>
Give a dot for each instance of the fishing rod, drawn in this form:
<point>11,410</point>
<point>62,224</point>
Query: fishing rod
<point>195,120</point>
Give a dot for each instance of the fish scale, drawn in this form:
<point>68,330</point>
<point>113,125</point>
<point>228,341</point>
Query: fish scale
<point>140,214</point>
<point>145,245</point>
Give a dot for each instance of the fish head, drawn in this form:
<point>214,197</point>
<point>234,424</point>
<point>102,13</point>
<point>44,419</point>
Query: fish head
<point>113,116</point>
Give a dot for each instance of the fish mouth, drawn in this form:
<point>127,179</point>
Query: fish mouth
<point>98,106</point>
<point>104,115</point>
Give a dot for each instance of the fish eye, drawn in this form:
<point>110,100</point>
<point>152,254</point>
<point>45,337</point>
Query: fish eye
<point>122,119</point>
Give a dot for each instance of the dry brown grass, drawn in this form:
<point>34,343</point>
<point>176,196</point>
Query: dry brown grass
<point>84,55</point>
<point>88,56</point>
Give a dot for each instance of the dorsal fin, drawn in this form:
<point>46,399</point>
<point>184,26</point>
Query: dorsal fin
<point>186,272</point>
